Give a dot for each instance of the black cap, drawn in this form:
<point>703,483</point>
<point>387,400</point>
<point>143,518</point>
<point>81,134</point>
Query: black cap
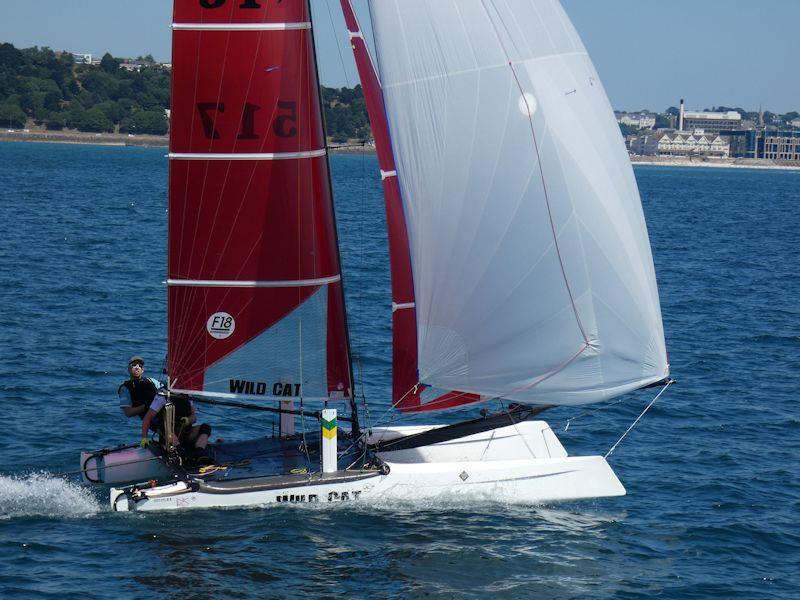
<point>135,360</point>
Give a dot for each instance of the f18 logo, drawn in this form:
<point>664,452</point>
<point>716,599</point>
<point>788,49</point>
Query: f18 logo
<point>220,325</point>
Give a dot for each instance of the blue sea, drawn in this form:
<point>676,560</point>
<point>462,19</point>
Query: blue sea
<point>711,470</point>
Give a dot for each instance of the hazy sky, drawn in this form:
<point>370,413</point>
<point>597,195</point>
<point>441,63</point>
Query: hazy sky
<point>649,53</point>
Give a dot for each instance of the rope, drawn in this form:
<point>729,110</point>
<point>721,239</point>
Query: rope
<point>590,412</point>
<point>653,401</point>
<point>335,30</point>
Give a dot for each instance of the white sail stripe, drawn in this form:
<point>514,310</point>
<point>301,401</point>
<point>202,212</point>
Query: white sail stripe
<point>501,65</point>
<point>404,305</point>
<point>231,396</point>
<point>387,174</point>
<point>253,284</point>
<point>241,26</point>
<point>356,34</point>
<point>247,156</point>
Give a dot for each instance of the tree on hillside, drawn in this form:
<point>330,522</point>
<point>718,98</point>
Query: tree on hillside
<point>101,84</point>
<point>109,64</point>
<point>11,116</point>
<point>10,57</point>
<point>95,120</point>
<point>153,122</point>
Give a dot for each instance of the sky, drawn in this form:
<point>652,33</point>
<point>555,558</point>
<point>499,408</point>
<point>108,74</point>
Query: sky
<point>649,53</point>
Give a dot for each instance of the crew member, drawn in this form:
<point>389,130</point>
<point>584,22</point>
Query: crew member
<point>189,435</point>
<point>136,394</point>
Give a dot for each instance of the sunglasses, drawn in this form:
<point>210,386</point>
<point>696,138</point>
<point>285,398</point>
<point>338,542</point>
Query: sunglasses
<point>134,365</point>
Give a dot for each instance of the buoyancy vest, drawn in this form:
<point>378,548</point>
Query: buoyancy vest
<point>142,392</point>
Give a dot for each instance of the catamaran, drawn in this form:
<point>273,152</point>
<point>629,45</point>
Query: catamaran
<point>522,276</point>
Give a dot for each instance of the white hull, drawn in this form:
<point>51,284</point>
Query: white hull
<point>477,467</point>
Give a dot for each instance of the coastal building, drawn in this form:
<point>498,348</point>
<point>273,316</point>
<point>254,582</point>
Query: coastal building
<point>795,123</point>
<point>779,145</point>
<point>712,122</point>
<point>681,143</point>
<point>639,120</point>
<point>81,58</point>
<point>709,122</point>
<point>131,66</point>
<point>771,144</point>
<point>645,145</point>
<point>742,142</point>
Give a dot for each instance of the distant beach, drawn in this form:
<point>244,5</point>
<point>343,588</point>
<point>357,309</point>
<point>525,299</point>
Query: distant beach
<point>79,137</point>
<point>730,163</point>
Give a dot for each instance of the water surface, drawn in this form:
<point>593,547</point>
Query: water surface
<point>711,471</point>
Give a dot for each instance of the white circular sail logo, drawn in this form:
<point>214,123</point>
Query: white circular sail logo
<point>220,325</point>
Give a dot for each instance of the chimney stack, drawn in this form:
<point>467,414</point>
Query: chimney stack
<point>680,117</point>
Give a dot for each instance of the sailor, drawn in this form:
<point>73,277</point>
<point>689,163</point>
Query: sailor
<point>190,436</point>
<point>136,394</point>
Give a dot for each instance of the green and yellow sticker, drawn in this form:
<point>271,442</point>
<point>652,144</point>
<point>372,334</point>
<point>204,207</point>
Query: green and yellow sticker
<point>329,428</point>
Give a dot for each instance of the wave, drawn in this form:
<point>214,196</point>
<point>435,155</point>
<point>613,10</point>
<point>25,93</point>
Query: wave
<point>41,494</point>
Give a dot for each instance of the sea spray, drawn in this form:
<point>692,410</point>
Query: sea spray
<point>42,494</point>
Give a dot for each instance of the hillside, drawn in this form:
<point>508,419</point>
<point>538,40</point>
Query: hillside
<point>51,90</point>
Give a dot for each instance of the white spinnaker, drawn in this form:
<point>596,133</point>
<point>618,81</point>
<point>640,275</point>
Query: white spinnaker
<point>532,268</point>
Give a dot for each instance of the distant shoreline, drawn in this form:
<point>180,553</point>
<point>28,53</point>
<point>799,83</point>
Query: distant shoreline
<point>162,141</point>
<point>733,163</point>
<point>79,137</point>
<point>120,139</point>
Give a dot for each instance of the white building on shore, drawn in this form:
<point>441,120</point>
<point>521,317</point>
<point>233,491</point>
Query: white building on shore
<point>639,120</point>
<point>709,122</point>
<point>680,143</point>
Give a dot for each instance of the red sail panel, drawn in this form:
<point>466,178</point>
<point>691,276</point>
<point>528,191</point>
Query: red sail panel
<point>406,389</point>
<point>255,301</point>
<point>446,401</point>
<point>241,11</point>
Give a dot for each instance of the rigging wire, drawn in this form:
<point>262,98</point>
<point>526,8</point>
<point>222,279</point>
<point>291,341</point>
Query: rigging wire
<point>374,44</point>
<point>338,44</point>
<point>653,401</point>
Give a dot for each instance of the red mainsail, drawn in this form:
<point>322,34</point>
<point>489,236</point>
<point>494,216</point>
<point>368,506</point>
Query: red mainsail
<point>255,301</point>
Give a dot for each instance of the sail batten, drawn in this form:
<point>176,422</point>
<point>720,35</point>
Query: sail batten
<point>243,283</point>
<point>240,26</point>
<point>247,155</point>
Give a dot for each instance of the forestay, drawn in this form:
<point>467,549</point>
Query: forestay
<point>255,297</point>
<point>531,262</point>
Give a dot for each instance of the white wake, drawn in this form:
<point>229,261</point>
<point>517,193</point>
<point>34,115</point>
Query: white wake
<point>41,494</point>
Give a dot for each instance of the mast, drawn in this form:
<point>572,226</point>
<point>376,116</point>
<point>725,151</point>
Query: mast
<point>255,302</point>
<point>353,406</point>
